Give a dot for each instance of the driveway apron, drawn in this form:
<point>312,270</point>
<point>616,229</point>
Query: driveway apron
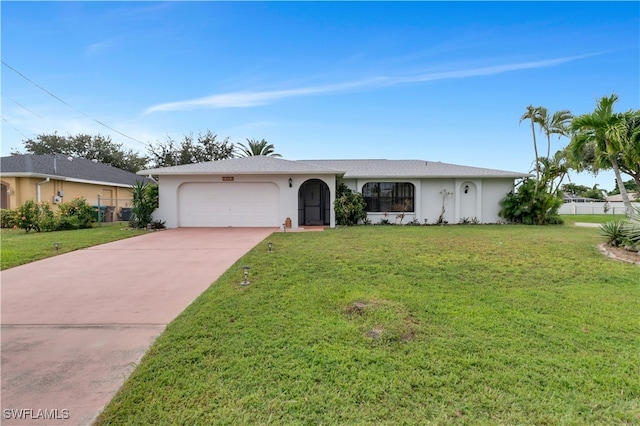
<point>74,326</point>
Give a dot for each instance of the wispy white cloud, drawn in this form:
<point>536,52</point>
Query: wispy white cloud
<point>257,98</point>
<point>98,47</point>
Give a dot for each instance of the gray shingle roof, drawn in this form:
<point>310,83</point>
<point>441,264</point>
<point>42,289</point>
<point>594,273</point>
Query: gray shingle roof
<point>409,168</point>
<point>58,166</point>
<point>348,168</point>
<point>258,164</point>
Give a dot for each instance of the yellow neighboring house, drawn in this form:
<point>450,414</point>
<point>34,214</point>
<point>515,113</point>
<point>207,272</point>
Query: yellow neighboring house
<point>59,178</point>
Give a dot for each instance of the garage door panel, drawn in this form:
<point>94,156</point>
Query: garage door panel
<point>229,204</point>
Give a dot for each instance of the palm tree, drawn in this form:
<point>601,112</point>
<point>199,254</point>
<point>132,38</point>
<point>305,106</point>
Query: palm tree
<point>554,169</point>
<point>630,158</point>
<point>533,114</point>
<point>556,124</point>
<point>255,147</point>
<point>606,131</point>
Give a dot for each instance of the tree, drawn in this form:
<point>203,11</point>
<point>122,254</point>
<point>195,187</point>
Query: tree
<point>96,147</point>
<point>204,148</point>
<point>584,191</point>
<point>630,185</point>
<point>630,158</point>
<point>533,114</point>
<point>553,170</point>
<point>607,132</point>
<point>255,147</point>
<point>555,124</point>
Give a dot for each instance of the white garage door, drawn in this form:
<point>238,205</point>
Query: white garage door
<point>229,204</point>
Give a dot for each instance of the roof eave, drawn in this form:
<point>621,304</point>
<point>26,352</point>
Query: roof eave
<point>63,178</point>
<point>368,176</point>
<point>246,173</point>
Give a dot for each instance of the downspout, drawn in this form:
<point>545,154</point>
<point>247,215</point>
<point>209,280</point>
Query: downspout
<point>38,189</point>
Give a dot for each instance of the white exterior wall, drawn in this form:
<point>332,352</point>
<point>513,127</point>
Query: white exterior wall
<point>481,201</point>
<point>169,189</point>
<point>493,191</point>
<point>431,200</point>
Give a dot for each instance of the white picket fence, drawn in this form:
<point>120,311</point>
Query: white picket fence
<point>594,208</point>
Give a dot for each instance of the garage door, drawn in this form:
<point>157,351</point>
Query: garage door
<point>229,204</point>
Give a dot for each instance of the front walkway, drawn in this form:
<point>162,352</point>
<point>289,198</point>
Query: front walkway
<point>75,326</point>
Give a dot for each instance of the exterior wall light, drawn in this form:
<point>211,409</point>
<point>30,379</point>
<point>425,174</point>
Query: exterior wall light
<point>245,272</point>
<point>290,183</point>
<point>466,189</point>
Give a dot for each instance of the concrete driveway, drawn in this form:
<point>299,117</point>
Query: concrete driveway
<point>75,326</point>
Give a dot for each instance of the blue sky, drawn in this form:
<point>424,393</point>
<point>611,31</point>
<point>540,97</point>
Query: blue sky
<point>436,81</point>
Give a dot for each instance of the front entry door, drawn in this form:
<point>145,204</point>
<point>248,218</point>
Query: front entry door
<point>313,200</point>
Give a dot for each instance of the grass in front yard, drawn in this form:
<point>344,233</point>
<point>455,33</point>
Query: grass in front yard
<point>18,247</point>
<point>570,219</point>
<point>402,325</point>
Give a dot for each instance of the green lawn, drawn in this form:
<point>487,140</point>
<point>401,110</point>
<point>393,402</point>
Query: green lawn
<point>18,247</point>
<point>402,325</point>
<point>570,219</point>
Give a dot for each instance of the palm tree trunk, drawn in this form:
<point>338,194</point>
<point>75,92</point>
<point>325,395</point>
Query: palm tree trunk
<point>623,191</point>
<point>535,148</point>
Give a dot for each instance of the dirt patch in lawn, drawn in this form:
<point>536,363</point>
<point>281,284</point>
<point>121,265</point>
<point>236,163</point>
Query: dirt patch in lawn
<point>619,253</point>
<point>383,320</point>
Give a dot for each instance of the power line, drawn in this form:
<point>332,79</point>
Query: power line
<point>70,106</point>
<point>24,107</point>
<point>14,127</point>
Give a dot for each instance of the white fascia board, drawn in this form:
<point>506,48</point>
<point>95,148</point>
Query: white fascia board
<point>96,182</point>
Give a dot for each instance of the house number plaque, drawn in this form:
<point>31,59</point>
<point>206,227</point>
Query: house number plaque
<point>227,178</point>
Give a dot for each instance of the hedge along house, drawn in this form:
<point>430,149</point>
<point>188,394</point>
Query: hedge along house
<point>264,191</point>
<point>58,178</point>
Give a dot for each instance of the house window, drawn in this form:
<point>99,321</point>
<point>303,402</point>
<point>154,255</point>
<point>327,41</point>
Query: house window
<point>388,196</point>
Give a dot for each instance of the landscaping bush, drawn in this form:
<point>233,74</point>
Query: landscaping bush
<point>7,218</point>
<point>75,214</point>
<point>28,216</point>
<point>623,233</point>
<point>145,201</point>
<point>349,206</point>
<point>613,232</point>
<point>529,207</point>
<point>47,220</point>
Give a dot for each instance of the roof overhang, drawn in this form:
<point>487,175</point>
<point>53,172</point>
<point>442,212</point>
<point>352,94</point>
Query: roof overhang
<point>63,178</point>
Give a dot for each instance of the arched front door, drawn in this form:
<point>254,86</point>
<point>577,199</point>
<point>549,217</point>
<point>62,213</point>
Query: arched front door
<point>314,203</point>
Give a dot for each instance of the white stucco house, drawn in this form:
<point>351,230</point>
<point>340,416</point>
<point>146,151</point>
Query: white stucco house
<point>262,191</point>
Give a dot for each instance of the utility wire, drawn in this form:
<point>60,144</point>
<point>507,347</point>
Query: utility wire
<point>75,109</point>
<point>24,107</point>
<point>13,127</point>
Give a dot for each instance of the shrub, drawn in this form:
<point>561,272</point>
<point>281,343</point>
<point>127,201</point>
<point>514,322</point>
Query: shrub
<point>157,224</point>
<point>28,216</point>
<point>47,220</point>
<point>75,214</point>
<point>145,201</point>
<point>349,206</point>
<point>529,207</point>
<point>613,232</point>
<point>7,218</point>
<point>631,231</point>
